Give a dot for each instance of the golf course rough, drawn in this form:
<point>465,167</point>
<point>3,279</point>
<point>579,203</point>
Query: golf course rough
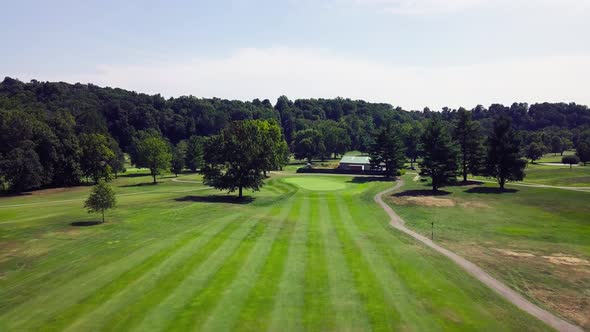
<point>307,253</point>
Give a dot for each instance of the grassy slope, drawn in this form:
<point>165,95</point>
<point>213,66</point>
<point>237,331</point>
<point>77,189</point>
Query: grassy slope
<point>541,222</point>
<point>558,175</point>
<point>293,259</point>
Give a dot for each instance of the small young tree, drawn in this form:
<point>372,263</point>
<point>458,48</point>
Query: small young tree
<point>570,160</point>
<point>534,151</point>
<point>102,198</point>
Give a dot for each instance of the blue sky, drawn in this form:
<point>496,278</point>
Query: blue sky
<point>411,53</point>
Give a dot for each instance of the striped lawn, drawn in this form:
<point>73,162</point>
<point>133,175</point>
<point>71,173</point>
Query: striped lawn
<point>293,259</point>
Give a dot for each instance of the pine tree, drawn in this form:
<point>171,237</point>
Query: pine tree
<point>439,159</point>
<point>504,160</point>
<point>389,150</point>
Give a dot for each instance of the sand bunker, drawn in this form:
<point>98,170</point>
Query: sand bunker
<point>566,260</point>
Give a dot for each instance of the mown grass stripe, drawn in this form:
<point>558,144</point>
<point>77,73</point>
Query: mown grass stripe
<point>349,313</point>
<point>254,313</point>
<point>318,308</point>
<point>123,309</point>
<point>203,302</point>
<point>382,258</point>
<point>382,314</point>
<point>163,315</point>
<point>229,304</point>
<point>287,312</point>
<point>114,276</point>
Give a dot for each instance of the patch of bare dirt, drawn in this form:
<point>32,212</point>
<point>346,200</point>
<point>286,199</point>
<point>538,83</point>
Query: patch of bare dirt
<point>430,201</point>
<point>566,260</point>
<point>514,253</point>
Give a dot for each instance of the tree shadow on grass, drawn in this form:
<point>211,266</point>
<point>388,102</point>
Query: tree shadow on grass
<point>466,183</point>
<point>421,193</point>
<point>132,175</point>
<point>143,184</point>
<point>366,179</point>
<point>10,194</point>
<point>86,223</point>
<point>216,199</point>
<point>490,190</point>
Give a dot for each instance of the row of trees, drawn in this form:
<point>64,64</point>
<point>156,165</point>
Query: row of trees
<point>54,134</point>
<point>451,150</point>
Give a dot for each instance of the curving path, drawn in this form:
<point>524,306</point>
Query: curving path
<point>496,285</point>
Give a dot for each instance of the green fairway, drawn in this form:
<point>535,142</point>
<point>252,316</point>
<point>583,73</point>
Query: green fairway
<point>578,176</point>
<point>537,240</point>
<point>307,253</point>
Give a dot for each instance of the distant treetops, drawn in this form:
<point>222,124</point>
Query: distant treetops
<point>56,134</point>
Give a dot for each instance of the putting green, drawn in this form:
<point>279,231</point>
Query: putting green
<point>316,183</point>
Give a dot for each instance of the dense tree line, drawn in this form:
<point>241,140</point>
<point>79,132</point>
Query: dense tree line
<point>57,134</point>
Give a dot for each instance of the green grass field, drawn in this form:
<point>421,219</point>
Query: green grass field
<point>578,176</point>
<point>537,240</point>
<point>307,253</point>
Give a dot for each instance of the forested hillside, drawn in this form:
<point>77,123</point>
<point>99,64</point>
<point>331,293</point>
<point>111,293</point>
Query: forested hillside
<point>49,130</point>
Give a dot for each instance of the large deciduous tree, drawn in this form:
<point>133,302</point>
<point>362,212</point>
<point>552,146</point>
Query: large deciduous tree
<point>504,160</point>
<point>439,154</point>
<point>178,158</point>
<point>194,153</point>
<point>534,151</point>
<point>583,151</point>
<point>412,133</point>
<point>153,153</point>
<point>469,137</point>
<point>95,156</point>
<point>21,168</point>
<point>307,144</point>
<point>388,150</point>
<point>233,160</point>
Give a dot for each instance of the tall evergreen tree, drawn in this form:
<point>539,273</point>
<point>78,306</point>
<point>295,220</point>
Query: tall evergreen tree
<point>439,154</point>
<point>504,161</point>
<point>389,150</point>
<point>471,150</point>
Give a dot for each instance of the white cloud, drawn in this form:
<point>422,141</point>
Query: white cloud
<point>305,73</point>
<point>437,7</point>
<point>420,7</point>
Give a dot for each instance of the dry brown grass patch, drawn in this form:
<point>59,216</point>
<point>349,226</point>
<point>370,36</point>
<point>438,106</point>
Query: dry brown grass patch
<point>429,201</point>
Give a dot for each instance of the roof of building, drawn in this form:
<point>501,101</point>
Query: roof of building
<point>365,160</point>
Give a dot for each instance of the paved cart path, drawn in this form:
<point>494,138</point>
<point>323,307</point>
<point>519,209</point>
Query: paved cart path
<point>496,285</point>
